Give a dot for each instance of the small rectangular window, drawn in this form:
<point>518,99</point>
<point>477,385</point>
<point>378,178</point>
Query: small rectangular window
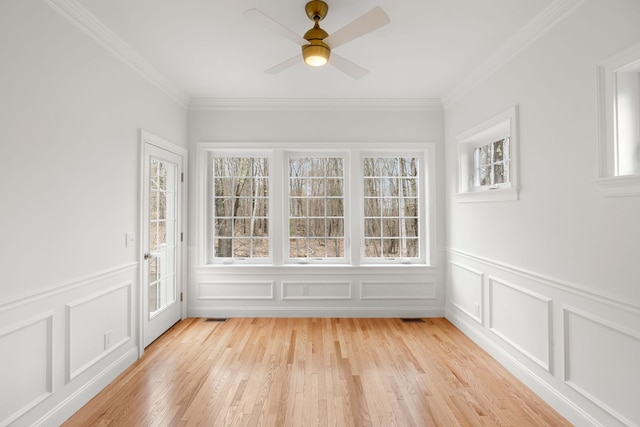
<point>240,208</point>
<point>491,164</point>
<point>391,207</point>
<point>316,208</point>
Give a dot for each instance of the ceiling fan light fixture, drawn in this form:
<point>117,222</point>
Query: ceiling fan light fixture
<point>316,55</point>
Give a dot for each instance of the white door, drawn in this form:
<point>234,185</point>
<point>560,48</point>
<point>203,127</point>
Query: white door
<point>161,240</point>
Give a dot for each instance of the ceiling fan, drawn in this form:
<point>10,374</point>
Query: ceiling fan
<point>317,44</point>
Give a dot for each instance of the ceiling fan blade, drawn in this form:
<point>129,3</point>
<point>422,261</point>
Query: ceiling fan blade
<point>284,65</point>
<point>368,22</point>
<point>273,25</point>
<point>349,68</point>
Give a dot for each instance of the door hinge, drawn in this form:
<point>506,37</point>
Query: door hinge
<point>181,296</point>
<point>181,236</point>
<point>182,177</point>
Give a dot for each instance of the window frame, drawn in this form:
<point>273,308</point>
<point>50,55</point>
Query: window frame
<point>501,126</point>
<point>209,237</point>
<point>611,181</point>
<point>278,208</point>
<point>422,196</point>
<point>345,155</point>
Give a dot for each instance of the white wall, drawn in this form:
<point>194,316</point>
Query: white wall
<point>353,291</point>
<point>555,274</point>
<point>70,115</point>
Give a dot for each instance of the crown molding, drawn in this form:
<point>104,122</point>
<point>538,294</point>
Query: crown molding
<point>333,104</point>
<point>90,25</point>
<point>538,26</point>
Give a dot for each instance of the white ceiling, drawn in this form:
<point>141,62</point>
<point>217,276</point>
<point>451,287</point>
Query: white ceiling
<point>209,49</point>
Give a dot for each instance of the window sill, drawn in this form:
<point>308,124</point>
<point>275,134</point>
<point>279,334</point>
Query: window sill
<point>619,186</point>
<point>497,195</point>
<point>314,268</point>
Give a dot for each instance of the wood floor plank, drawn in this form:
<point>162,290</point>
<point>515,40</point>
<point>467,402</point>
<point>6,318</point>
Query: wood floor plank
<point>315,372</point>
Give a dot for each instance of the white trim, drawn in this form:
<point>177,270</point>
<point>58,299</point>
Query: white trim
<point>364,283</point>
<point>479,318</point>
<point>321,312</point>
<point>500,126</point>
<point>538,26</point>
<point>548,365</point>
<point>346,104</point>
<point>619,186</point>
<point>285,297</point>
<point>572,288</point>
<point>48,318</point>
<point>566,312</point>
<point>269,283</point>
<point>63,410</point>
<point>70,375</point>
<point>542,388</point>
<point>78,15</point>
<point>65,286</point>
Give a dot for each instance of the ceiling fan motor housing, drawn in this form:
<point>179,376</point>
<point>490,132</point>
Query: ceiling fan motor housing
<point>317,52</point>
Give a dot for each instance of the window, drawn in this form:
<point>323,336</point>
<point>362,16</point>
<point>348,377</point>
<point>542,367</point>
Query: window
<point>491,164</point>
<point>487,166</point>
<point>316,208</point>
<point>391,207</point>
<point>240,213</point>
<point>619,111</point>
<point>337,206</point>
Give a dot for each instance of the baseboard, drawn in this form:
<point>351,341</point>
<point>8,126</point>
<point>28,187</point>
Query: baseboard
<point>546,391</point>
<point>65,409</point>
<point>315,312</point>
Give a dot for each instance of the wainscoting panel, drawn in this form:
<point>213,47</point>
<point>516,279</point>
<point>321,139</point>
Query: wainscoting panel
<point>245,290</point>
<point>395,290</point>
<point>522,318</point>
<point>26,372</point>
<point>602,363</point>
<point>577,349</point>
<point>325,290</point>
<point>465,290</point>
<point>53,350</point>
<point>97,325</point>
<point>316,291</point>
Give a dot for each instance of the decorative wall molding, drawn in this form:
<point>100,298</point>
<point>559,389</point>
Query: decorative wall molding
<point>480,281</point>
<point>78,15</point>
<point>65,286</point>
<point>63,410</point>
<point>230,289</point>
<point>393,290</point>
<point>34,401</point>
<point>315,290</point>
<point>538,26</point>
<point>315,311</point>
<point>346,104</point>
<point>72,371</point>
<point>538,384</point>
<point>547,364</point>
<point>553,282</point>
<point>583,389</point>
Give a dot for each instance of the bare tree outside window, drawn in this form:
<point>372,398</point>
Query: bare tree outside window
<point>241,207</point>
<point>391,223</point>
<point>316,207</point>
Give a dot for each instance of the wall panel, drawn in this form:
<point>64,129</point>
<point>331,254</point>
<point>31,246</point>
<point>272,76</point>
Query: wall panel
<point>26,371</point>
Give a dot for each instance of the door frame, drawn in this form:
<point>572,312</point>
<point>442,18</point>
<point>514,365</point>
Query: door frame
<point>147,138</point>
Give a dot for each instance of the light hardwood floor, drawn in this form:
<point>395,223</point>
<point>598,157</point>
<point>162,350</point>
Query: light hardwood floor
<point>315,372</point>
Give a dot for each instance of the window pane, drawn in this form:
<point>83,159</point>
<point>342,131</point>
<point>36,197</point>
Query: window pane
<point>260,248</point>
<point>483,176</point>
<point>499,174</point>
<point>241,206</point>
<point>316,207</point>
<point>335,248</point>
<point>498,151</point>
<point>297,207</point>
<point>371,207</point>
<point>335,207</point>
<point>298,227</point>
<point>372,248</point>
<point>372,227</point>
<point>392,194</point>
